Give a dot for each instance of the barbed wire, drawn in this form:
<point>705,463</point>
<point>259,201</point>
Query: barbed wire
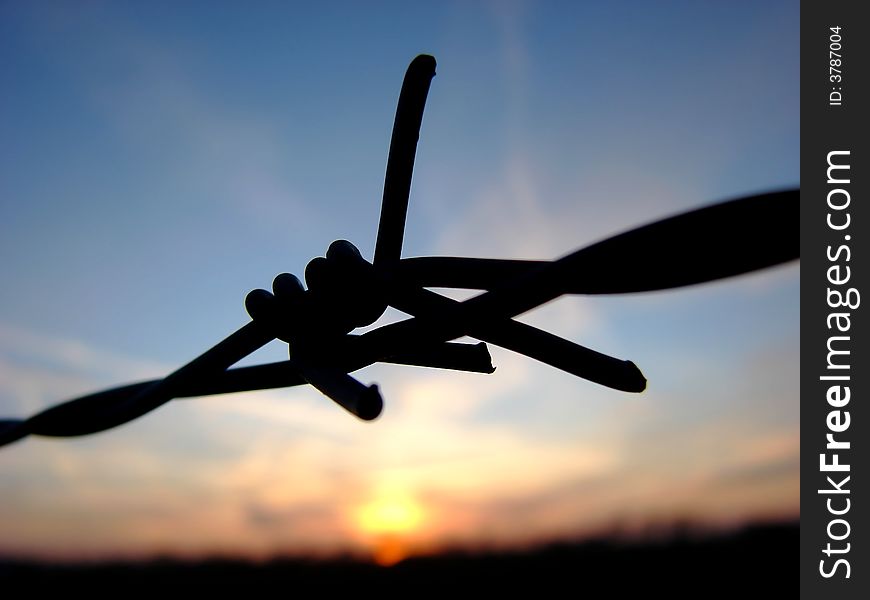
<point>345,291</point>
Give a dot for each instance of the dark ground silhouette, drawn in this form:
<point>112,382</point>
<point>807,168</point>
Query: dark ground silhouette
<point>759,560</point>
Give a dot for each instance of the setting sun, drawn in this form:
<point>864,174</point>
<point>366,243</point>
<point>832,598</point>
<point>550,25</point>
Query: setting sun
<point>390,522</point>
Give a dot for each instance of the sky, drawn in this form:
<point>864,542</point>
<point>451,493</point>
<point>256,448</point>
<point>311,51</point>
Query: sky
<point>159,160</point>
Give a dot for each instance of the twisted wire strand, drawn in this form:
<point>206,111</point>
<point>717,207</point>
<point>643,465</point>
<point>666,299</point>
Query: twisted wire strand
<point>208,375</point>
<point>111,408</point>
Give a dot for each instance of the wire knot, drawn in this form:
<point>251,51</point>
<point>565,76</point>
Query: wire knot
<point>344,292</point>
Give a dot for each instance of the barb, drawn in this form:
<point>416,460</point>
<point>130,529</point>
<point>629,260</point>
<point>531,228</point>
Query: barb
<point>400,163</point>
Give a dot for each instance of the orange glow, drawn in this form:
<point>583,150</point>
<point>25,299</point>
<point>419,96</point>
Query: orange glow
<point>389,550</point>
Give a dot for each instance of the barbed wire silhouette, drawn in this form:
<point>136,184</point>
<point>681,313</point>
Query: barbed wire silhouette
<point>345,291</point>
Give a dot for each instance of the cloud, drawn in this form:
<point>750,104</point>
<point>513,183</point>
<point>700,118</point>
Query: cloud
<point>38,370</point>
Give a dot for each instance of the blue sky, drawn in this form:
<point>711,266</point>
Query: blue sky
<point>160,160</point>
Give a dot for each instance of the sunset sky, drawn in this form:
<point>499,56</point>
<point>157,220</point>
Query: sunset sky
<point>158,160</point>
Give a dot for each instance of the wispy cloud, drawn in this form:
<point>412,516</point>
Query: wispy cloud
<point>38,369</point>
